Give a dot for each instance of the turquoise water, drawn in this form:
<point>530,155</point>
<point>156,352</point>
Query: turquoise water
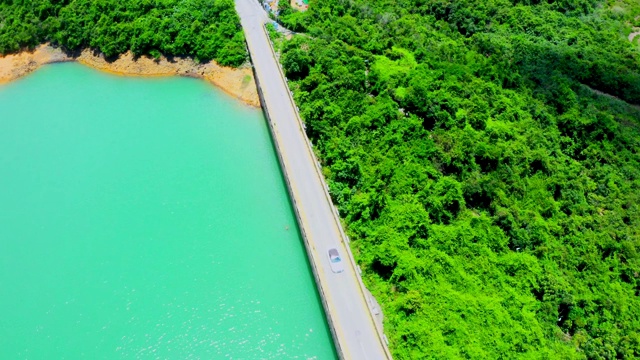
<point>146,218</point>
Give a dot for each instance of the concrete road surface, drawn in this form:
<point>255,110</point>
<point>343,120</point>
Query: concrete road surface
<point>353,327</point>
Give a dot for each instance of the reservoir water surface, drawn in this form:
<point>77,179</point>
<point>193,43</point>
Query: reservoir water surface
<point>146,218</point>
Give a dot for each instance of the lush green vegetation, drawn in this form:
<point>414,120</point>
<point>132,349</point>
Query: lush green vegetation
<point>487,175</point>
<point>203,29</point>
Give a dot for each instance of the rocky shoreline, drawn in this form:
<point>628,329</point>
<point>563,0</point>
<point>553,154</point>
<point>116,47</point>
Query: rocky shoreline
<point>236,82</point>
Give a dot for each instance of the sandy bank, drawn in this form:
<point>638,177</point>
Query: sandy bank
<point>236,82</point>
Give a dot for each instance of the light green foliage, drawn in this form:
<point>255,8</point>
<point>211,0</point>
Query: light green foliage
<point>273,33</point>
<point>491,195</point>
<point>203,29</point>
<point>276,37</point>
<point>400,63</point>
<point>392,68</point>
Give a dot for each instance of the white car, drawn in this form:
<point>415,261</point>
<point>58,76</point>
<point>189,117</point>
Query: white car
<point>335,260</point>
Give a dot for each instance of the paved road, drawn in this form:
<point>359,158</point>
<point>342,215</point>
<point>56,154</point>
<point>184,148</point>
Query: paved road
<point>352,323</point>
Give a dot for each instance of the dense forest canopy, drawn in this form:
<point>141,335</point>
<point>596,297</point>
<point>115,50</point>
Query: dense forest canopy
<point>485,157</point>
<point>203,29</point>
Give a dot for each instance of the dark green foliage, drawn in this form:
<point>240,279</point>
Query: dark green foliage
<point>203,29</point>
<point>296,64</point>
<point>490,189</point>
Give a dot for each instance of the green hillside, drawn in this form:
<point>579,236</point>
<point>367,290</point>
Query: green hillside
<point>485,157</point>
<point>202,29</point>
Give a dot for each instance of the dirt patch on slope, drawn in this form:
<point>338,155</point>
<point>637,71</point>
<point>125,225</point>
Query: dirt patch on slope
<point>636,32</point>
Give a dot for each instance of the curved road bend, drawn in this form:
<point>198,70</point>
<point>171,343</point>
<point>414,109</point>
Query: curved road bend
<point>352,323</point>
